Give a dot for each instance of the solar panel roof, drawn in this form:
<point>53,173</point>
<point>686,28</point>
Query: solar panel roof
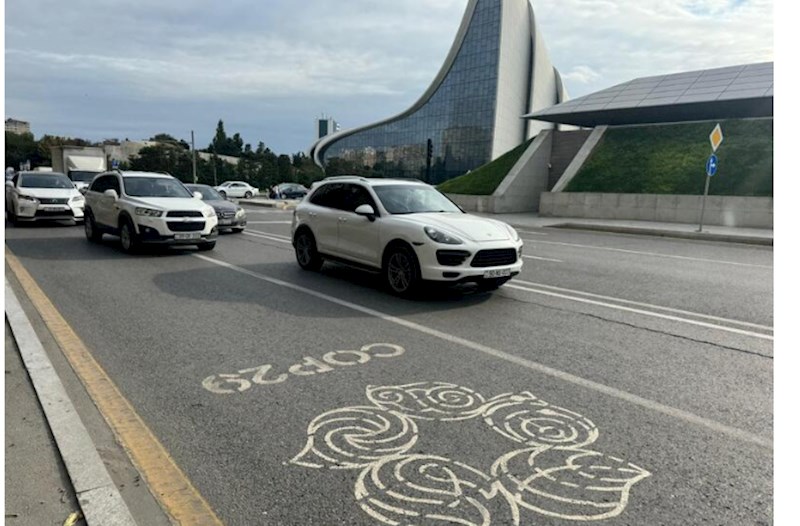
<point>729,92</point>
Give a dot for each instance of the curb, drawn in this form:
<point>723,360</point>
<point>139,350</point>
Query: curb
<point>282,205</point>
<point>702,236</point>
<point>99,499</point>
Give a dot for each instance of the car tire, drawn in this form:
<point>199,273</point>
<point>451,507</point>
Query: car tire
<point>488,285</point>
<point>203,247</point>
<point>305,250</point>
<point>401,271</point>
<point>12,217</point>
<point>93,234</point>
<point>223,194</point>
<point>248,194</point>
<point>127,236</point>
<point>237,230</point>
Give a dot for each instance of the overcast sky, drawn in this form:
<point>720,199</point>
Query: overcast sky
<point>131,69</point>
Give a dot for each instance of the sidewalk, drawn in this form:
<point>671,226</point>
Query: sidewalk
<point>753,236</point>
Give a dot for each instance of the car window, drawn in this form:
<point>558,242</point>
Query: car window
<point>105,182</point>
<point>355,195</point>
<point>208,193</point>
<point>45,181</point>
<point>413,199</point>
<point>330,195</point>
<point>155,187</point>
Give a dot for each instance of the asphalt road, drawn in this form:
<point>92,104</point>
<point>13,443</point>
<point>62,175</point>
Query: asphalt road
<point>621,378</point>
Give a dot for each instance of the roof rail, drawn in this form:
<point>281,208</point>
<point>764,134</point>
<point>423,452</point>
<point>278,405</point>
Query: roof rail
<point>337,177</point>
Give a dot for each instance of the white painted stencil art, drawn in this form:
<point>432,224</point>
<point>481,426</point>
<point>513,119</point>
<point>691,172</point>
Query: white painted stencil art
<point>550,468</point>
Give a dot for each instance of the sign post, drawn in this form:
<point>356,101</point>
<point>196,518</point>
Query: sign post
<point>712,164</point>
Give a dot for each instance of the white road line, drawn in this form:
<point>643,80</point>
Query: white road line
<point>653,254</point>
<point>643,312</point>
<point>679,414</point>
<point>543,259</point>
<point>648,305</point>
<point>271,237</point>
<point>100,501</point>
<point>532,233</point>
<point>269,222</point>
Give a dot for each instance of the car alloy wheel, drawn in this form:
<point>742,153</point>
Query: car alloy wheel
<point>401,271</point>
<point>248,195</point>
<point>90,228</point>
<point>127,237</point>
<point>305,249</point>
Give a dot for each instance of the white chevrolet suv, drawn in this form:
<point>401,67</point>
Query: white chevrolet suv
<point>146,207</point>
<point>405,229</point>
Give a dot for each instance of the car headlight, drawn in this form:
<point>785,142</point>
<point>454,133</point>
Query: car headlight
<point>28,198</point>
<point>149,212</point>
<point>77,199</point>
<point>441,237</point>
<point>514,233</point>
<point>240,212</point>
<point>209,212</point>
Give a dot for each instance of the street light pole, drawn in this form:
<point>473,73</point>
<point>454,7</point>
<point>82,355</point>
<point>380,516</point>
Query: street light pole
<point>194,161</point>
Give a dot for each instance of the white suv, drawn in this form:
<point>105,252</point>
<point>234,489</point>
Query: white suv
<point>405,229</point>
<point>146,207</point>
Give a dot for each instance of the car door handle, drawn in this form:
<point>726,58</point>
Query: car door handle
<point>312,214</point>
<point>343,219</point>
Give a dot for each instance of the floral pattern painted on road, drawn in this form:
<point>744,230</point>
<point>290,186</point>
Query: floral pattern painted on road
<point>548,471</point>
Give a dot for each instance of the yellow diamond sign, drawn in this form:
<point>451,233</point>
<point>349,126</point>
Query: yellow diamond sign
<point>716,137</point>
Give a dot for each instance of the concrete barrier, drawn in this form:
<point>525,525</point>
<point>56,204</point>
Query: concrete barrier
<point>733,211</point>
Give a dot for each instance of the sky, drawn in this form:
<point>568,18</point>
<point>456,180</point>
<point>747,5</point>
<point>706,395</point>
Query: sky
<point>268,68</point>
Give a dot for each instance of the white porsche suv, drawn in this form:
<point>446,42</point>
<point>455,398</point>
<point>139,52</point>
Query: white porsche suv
<point>147,208</point>
<point>405,229</point>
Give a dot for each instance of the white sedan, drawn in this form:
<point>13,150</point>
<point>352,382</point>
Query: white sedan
<point>236,189</point>
<point>407,230</point>
<point>36,196</point>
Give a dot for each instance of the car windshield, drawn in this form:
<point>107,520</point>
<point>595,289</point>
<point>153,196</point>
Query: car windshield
<point>155,187</point>
<point>209,194</point>
<point>82,177</point>
<point>413,199</point>
<point>45,181</point>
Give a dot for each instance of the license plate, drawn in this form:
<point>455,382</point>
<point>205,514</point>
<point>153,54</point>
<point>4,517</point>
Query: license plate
<point>191,235</point>
<point>497,273</point>
<point>51,207</point>
<point>226,222</point>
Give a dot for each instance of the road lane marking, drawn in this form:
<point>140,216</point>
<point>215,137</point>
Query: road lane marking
<point>168,484</point>
<point>310,366</point>
<point>648,305</point>
<point>543,259</point>
<point>643,312</point>
<point>394,483</point>
<point>269,222</point>
<point>653,254</point>
<point>532,233</point>
<point>99,498</point>
<point>271,237</point>
<point>658,407</point>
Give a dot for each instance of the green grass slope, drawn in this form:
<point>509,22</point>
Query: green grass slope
<point>670,159</point>
<point>484,180</point>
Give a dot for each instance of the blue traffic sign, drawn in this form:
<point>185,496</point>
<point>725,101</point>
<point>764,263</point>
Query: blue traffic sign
<point>711,165</point>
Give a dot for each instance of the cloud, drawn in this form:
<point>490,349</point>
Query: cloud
<point>581,74</point>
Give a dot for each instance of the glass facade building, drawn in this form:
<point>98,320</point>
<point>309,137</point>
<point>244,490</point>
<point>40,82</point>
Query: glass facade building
<point>495,72</point>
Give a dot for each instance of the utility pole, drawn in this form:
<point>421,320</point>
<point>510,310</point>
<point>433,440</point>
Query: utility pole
<point>194,161</point>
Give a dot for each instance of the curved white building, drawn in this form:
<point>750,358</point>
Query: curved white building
<point>497,71</point>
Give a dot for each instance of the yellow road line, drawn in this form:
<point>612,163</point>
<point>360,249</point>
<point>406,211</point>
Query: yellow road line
<point>176,494</point>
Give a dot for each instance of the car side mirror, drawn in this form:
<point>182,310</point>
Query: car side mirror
<point>197,195</point>
<point>366,211</point>
<point>111,193</point>
<point>83,190</point>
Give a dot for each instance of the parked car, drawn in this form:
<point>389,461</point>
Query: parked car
<point>236,189</point>
<point>229,214</point>
<point>36,196</point>
<point>290,191</point>
<point>148,208</point>
<point>407,230</point>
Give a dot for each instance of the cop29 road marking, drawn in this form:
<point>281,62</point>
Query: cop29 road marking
<point>641,311</point>
<point>653,254</point>
<point>648,305</point>
<point>244,379</point>
<point>166,481</point>
<point>658,407</point>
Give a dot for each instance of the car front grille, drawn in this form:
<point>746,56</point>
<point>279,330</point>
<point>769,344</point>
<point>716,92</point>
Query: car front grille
<point>50,201</point>
<point>184,213</point>
<point>495,257</point>
<point>192,226</point>
<point>226,215</point>
<point>451,258</point>
<point>53,213</point>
